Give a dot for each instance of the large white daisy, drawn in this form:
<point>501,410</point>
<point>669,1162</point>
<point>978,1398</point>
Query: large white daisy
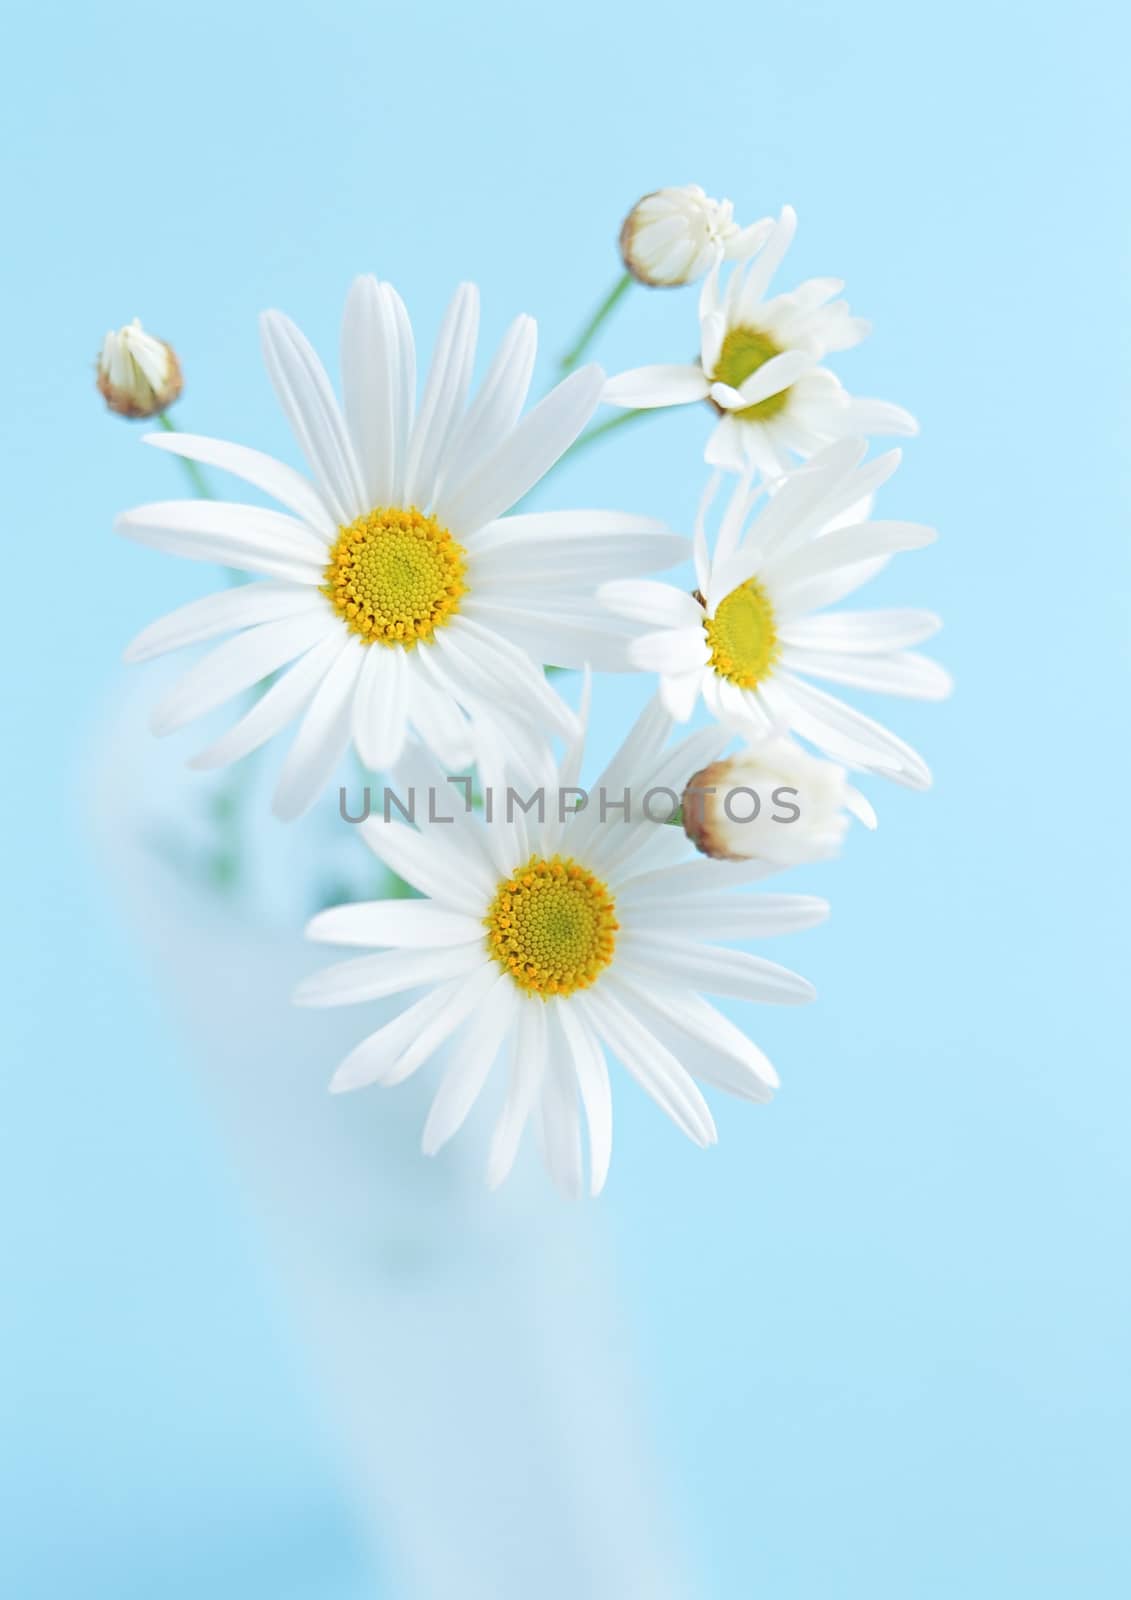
<point>760,367</point>
<point>394,589</point>
<point>756,629</point>
<point>550,943</point>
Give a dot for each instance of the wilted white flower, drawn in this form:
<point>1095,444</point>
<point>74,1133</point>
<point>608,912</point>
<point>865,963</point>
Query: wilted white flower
<point>760,367</point>
<point>674,236</point>
<point>771,802</point>
<point>138,375</point>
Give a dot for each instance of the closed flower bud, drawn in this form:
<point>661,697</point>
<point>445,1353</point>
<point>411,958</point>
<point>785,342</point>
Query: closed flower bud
<point>676,235</point>
<point>772,802</point>
<point>138,375</point>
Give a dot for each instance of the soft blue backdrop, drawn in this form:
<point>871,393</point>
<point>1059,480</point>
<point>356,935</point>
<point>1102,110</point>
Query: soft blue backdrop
<point>884,1324</point>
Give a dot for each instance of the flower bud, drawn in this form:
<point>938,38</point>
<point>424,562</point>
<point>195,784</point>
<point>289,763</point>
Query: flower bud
<point>771,802</point>
<point>138,375</point>
<point>674,236</point>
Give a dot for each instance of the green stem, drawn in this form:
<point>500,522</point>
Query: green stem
<point>191,469</point>
<point>610,425</point>
<point>593,326</point>
<point>592,435</point>
<point>228,799</point>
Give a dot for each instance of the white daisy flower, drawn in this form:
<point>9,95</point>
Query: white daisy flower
<point>755,629</point>
<point>760,367</point>
<point>673,236</point>
<point>771,802</point>
<point>138,374</point>
<point>403,596</point>
<point>550,942</point>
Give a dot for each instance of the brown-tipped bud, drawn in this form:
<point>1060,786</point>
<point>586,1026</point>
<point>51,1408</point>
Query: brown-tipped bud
<point>772,802</point>
<point>138,375</point>
<point>674,236</point>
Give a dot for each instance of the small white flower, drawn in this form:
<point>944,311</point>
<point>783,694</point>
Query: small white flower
<point>552,942</point>
<point>771,802</point>
<point>138,375</point>
<point>754,630</point>
<point>760,367</point>
<point>674,236</point>
<point>397,594</point>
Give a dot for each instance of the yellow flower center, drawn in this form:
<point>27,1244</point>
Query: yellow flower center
<point>395,576</point>
<point>743,636</point>
<point>552,926</point>
<point>743,351</point>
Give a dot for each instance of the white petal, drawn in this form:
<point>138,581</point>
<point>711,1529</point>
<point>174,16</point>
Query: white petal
<point>380,707</point>
<point>825,590</point>
<point>394,924</point>
<point>645,388</point>
<point>322,737</point>
<point>845,547</point>
<point>435,716</point>
<point>305,394</point>
<point>529,451</point>
<point>437,869</point>
<point>680,692</point>
<point>845,733</point>
<point>917,677</point>
<point>861,632</point>
<point>728,445</point>
<point>600,642</point>
<point>254,539</point>
<point>235,665</point>
<point>657,603</point>
<point>470,1066</point>
<point>470,994</point>
<point>281,482</point>
<point>372,387</point>
<point>653,1066</point>
<point>275,707</point>
<point>719,918</point>
<point>718,971</point>
<point>444,395</point>
<point>376,977</point>
<point>496,670</point>
<point>694,878</point>
<point>588,544</point>
<point>215,614</point>
<point>560,1113</point>
<point>374,1060</point>
<point>875,416</point>
<point>762,269</point>
<point>861,808</point>
<point>497,406</point>
<point>739,1066</point>
<point>527,1064</point>
<point>593,1085</point>
<point>671,652</point>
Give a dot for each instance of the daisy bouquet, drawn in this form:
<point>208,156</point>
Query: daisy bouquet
<point>399,603</point>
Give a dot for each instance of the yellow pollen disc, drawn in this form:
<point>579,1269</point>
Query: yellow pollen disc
<point>552,926</point>
<point>743,636</point>
<point>395,576</point>
<point>743,351</point>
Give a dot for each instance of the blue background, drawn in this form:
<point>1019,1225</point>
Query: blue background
<point>883,1326</point>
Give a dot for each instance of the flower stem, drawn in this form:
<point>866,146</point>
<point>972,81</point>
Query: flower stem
<point>596,321</point>
<point>223,867</point>
<point>191,469</point>
<point>201,488</point>
<point>610,425</point>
